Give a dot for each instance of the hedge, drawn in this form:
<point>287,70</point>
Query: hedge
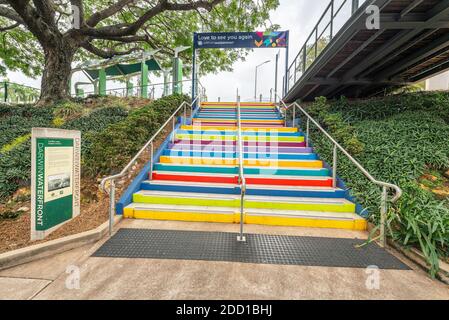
<point>403,137</point>
<point>110,137</point>
<point>114,147</point>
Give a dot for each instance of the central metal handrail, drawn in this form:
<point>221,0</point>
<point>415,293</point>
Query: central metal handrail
<point>337,146</point>
<point>148,144</point>
<point>242,180</point>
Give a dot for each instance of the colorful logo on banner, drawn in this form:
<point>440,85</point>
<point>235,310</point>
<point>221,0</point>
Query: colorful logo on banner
<point>271,39</point>
<point>250,40</point>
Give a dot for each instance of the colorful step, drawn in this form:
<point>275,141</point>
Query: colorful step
<point>256,190</point>
<point>196,177</point>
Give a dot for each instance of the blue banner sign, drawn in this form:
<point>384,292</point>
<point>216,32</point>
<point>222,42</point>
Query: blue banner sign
<point>250,40</point>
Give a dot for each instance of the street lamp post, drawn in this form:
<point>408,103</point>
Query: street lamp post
<point>276,77</point>
<point>255,81</point>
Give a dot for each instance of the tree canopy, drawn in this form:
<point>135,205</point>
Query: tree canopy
<point>42,37</point>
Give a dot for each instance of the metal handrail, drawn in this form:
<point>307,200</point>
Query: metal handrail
<point>299,63</point>
<point>151,86</point>
<point>149,143</point>
<point>242,179</point>
<point>337,146</point>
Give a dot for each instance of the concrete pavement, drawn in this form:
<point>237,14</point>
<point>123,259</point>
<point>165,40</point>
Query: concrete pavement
<point>121,278</point>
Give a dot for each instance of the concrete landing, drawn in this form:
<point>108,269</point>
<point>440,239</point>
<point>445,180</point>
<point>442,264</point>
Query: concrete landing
<point>122,278</point>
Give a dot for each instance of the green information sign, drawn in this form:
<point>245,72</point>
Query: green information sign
<point>55,179</point>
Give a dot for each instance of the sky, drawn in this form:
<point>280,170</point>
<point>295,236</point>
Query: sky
<point>297,16</point>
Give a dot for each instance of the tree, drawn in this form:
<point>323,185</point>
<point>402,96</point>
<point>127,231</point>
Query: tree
<point>49,35</point>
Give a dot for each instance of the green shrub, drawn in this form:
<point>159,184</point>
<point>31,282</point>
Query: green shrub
<point>9,214</point>
<point>15,169</point>
<point>111,132</point>
<point>17,141</point>
<point>68,110</point>
<point>344,133</point>
<point>114,147</point>
<point>403,137</point>
<point>17,121</point>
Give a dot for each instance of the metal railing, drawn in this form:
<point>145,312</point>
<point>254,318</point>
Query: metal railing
<point>154,90</point>
<point>334,17</point>
<point>242,180</point>
<point>14,93</point>
<point>149,144</point>
<point>336,147</point>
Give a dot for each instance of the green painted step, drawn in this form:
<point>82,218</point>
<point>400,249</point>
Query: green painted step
<point>251,202</point>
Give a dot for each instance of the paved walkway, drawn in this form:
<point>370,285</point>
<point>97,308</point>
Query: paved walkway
<point>119,278</point>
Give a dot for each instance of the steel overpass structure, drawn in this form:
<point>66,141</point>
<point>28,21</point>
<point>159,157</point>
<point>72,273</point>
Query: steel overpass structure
<point>347,54</point>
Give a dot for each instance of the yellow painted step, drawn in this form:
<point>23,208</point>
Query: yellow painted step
<point>247,162</point>
<point>359,224</point>
<point>230,215</point>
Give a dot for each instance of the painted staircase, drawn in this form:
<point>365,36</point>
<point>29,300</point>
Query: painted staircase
<point>196,176</point>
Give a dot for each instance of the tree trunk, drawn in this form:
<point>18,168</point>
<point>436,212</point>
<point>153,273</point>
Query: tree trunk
<point>56,75</point>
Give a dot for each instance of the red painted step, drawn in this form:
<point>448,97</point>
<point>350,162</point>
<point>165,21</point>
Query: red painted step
<point>249,180</point>
<point>233,124</point>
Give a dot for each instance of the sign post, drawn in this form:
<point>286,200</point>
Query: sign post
<point>235,40</point>
<point>55,179</point>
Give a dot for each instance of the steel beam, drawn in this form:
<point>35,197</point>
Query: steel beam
<point>409,8</point>
<point>356,52</point>
<point>421,54</point>
<point>396,53</point>
<point>432,71</point>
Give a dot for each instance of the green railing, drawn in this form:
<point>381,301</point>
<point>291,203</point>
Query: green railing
<point>15,93</point>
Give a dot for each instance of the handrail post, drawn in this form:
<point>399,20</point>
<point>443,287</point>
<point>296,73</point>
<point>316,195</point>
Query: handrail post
<point>295,71</point>
<point>332,20</point>
<point>151,160</point>
<point>383,213</point>
<point>355,6</point>
<point>294,117</point>
<point>111,206</point>
<point>240,237</point>
<point>173,128</point>
<point>285,116</point>
<point>334,167</point>
<point>304,59</point>
<point>307,132</point>
<point>185,115</point>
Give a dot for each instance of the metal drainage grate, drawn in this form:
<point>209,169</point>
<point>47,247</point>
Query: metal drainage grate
<point>258,248</point>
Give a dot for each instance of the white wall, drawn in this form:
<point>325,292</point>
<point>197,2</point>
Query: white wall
<point>439,82</point>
